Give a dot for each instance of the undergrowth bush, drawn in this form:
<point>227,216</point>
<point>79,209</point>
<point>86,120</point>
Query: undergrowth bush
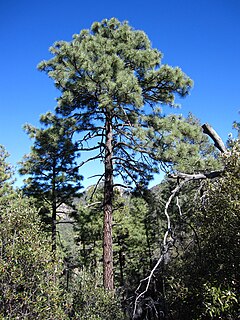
<point>29,287</point>
<point>91,301</point>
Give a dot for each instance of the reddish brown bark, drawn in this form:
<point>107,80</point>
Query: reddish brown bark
<point>54,212</point>
<point>108,201</point>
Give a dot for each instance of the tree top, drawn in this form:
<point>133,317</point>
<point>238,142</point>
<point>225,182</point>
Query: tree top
<point>111,66</point>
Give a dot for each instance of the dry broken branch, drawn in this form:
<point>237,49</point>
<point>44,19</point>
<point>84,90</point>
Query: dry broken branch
<point>207,129</point>
<point>165,247</point>
<point>197,176</point>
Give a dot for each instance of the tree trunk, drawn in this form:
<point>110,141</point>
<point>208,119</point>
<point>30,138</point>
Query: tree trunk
<point>54,213</point>
<point>54,228</point>
<point>108,200</point>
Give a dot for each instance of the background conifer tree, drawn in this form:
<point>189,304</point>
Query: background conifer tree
<point>6,175</point>
<point>53,177</point>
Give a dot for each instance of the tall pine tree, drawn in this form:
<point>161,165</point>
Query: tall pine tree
<point>109,77</point>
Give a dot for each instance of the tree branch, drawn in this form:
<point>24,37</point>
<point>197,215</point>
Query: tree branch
<point>96,185</point>
<point>64,222</point>
<point>93,204</point>
<point>197,176</point>
<point>207,129</point>
<point>99,156</point>
<point>165,246</point>
<point>122,186</point>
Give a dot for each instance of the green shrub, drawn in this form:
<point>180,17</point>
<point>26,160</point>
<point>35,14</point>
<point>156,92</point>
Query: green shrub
<point>91,301</point>
<point>29,286</point>
<point>219,302</point>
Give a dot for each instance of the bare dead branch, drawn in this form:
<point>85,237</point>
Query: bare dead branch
<point>93,204</point>
<point>165,246</point>
<point>99,156</point>
<point>96,185</point>
<point>197,176</point>
<point>207,129</point>
<point>148,279</point>
<point>179,207</point>
<point>95,175</point>
<point>122,186</point>
<point>63,222</point>
<point>184,178</point>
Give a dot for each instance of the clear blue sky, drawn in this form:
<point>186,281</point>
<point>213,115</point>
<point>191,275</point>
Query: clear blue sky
<point>202,37</point>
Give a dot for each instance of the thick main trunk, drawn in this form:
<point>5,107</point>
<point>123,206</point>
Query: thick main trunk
<point>108,200</point>
<point>54,211</point>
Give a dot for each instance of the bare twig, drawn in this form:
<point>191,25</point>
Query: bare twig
<point>96,186</point>
<point>93,204</point>
<point>63,222</point>
<point>90,159</point>
<point>122,186</point>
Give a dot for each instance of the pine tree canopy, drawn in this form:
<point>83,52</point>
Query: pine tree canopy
<point>111,66</point>
<point>111,73</point>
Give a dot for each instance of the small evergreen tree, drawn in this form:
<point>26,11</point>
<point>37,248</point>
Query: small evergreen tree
<point>51,167</point>
<point>6,173</point>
